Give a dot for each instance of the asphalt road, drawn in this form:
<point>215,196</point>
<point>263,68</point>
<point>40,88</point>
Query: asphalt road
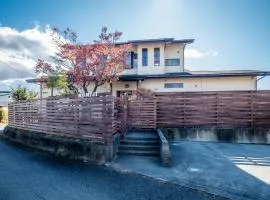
<point>26,174</point>
<point>235,171</point>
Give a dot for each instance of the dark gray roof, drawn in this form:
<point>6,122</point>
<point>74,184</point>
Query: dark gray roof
<point>34,80</point>
<point>162,40</point>
<point>189,74</point>
<point>196,74</point>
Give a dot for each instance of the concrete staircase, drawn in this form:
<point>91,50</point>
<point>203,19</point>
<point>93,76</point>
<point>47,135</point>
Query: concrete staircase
<point>141,143</point>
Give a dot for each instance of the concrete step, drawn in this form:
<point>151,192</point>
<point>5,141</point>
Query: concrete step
<point>141,138</point>
<point>138,153</point>
<point>139,142</point>
<point>142,143</point>
<point>139,147</point>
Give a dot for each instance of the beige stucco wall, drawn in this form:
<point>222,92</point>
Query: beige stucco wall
<point>201,84</point>
<point>191,84</point>
<point>151,69</point>
<point>168,51</point>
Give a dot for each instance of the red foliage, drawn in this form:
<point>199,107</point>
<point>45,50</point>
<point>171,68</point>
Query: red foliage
<point>97,63</point>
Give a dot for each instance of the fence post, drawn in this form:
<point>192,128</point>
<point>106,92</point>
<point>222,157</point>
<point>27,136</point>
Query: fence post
<point>105,119</point>
<point>14,118</point>
<point>155,112</point>
<point>125,114</point>
<point>251,107</point>
<point>184,108</point>
<point>217,108</point>
<point>77,116</point>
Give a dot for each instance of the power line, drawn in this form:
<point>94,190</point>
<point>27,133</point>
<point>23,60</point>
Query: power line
<point>31,75</point>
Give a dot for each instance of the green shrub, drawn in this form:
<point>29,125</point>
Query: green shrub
<point>3,115</point>
<point>22,94</point>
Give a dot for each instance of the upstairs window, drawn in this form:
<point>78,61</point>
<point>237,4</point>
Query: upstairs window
<point>144,57</point>
<point>156,56</point>
<point>172,62</point>
<point>131,60</point>
<point>128,61</point>
<point>135,60</point>
<point>173,85</point>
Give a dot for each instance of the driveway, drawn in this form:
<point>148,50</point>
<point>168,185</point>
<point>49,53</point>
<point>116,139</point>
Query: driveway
<point>33,175</point>
<point>236,171</point>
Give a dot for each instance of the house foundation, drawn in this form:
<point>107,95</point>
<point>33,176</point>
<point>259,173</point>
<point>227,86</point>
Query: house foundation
<point>214,134</point>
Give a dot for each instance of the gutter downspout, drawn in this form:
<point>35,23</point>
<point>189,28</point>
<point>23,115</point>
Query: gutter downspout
<point>184,57</point>
<point>257,80</point>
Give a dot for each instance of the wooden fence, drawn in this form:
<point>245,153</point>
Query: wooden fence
<point>102,116</point>
<point>220,109</point>
<point>142,114</point>
<point>83,117</point>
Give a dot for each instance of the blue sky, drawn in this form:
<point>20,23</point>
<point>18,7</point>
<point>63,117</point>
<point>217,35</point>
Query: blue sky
<point>229,34</point>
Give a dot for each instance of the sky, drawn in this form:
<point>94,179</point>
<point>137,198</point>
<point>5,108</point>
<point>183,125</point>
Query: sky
<point>229,34</point>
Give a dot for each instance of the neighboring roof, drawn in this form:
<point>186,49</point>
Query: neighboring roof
<point>161,40</point>
<point>34,80</point>
<point>3,103</point>
<point>197,74</point>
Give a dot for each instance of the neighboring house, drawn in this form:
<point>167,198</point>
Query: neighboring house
<point>159,65</point>
<point>3,104</point>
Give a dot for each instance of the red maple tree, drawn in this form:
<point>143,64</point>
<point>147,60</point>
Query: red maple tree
<point>91,64</point>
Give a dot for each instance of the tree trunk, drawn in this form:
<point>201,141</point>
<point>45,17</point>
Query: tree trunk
<point>52,92</point>
<point>85,89</point>
<point>95,89</point>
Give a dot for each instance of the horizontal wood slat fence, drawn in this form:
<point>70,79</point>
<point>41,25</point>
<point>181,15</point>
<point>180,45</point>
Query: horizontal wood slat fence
<point>91,117</point>
<point>142,114</point>
<point>220,109</point>
<point>101,117</point>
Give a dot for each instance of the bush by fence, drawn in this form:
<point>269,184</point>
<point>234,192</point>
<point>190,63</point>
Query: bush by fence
<point>3,115</point>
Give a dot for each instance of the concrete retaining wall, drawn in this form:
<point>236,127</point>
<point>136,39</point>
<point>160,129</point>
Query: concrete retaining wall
<point>233,135</point>
<point>82,149</point>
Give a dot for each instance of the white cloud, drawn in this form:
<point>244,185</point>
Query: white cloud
<point>19,51</point>
<point>196,54</point>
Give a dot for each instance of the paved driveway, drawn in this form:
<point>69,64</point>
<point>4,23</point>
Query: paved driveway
<point>26,174</point>
<point>236,171</point>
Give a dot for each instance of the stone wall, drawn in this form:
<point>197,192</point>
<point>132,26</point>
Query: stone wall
<point>212,134</point>
<point>92,151</point>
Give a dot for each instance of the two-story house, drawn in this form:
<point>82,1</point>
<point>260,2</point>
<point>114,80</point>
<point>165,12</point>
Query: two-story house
<point>159,65</point>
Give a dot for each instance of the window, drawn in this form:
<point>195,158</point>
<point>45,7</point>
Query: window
<point>172,62</point>
<point>123,93</point>
<point>135,60</point>
<point>156,56</point>
<point>173,85</point>
<point>131,60</point>
<point>128,60</point>
<point>144,57</point>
